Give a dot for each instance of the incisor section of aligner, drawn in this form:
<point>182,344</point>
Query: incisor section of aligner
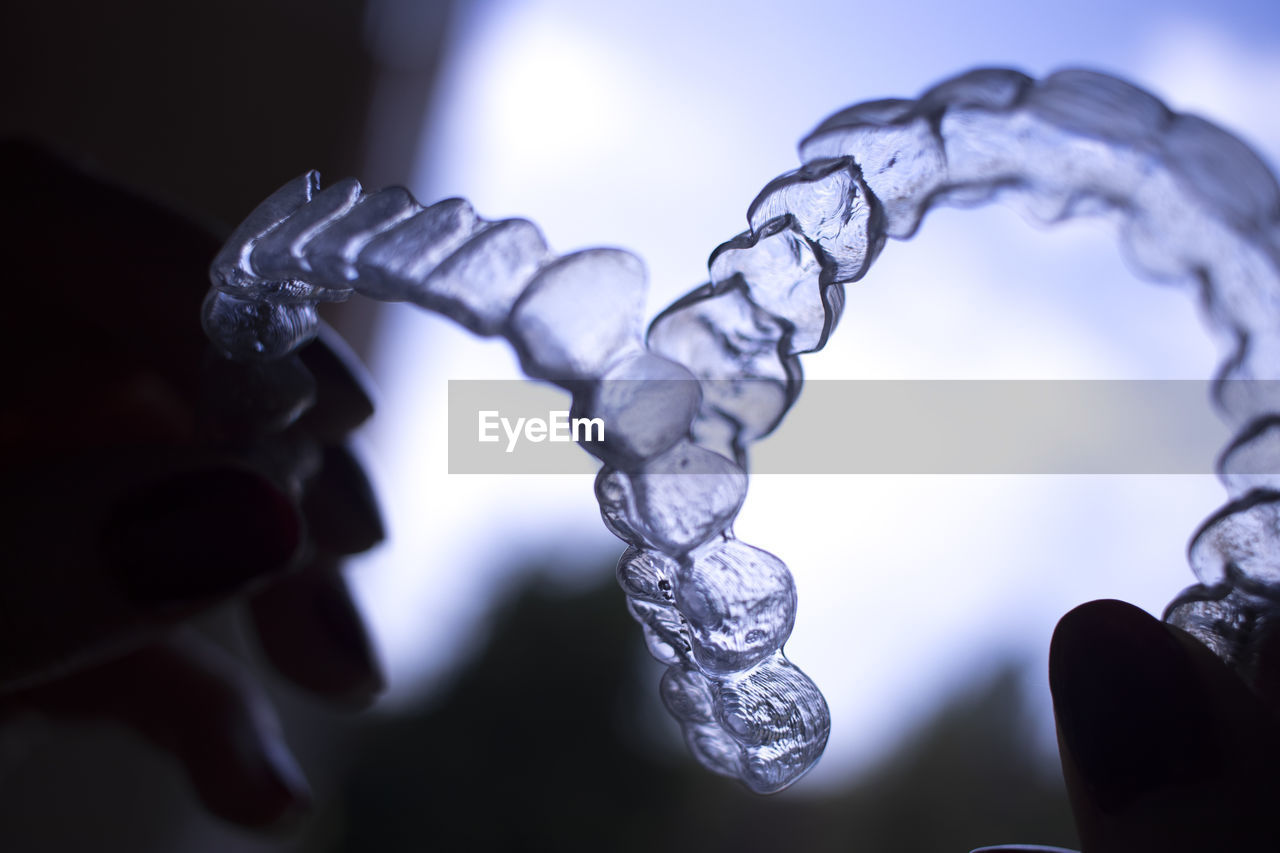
<point>739,603</point>
<point>305,245</point>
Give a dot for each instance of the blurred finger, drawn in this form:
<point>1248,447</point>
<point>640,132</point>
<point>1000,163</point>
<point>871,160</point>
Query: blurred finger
<point>1163,747</point>
<point>193,700</point>
<point>310,630</point>
<point>243,402</point>
<point>199,534</point>
<point>105,548</point>
<point>340,505</point>
<point>344,398</point>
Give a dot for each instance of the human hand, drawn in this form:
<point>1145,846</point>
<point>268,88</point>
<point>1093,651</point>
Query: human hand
<point>147,480</point>
<point>1164,748</point>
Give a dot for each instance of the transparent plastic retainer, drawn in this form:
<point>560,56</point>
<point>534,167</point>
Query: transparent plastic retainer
<point>1192,204</point>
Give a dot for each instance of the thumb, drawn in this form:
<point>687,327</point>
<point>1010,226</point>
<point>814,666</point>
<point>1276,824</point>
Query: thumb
<point>1163,747</point>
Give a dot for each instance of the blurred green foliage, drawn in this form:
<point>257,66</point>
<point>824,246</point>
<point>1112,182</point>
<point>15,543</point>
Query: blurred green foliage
<point>553,739</point>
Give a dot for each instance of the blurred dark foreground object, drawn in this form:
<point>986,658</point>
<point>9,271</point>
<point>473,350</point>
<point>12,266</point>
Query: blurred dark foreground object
<point>145,480</point>
<point>1164,749</point>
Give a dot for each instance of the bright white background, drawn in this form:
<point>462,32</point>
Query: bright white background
<point>652,126</point>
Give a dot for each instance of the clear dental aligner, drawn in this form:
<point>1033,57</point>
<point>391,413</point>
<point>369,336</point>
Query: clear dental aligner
<point>1192,203</point>
<point>715,609</point>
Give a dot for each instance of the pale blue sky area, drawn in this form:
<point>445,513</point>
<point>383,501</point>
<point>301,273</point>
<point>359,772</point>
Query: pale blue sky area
<point>652,126</point>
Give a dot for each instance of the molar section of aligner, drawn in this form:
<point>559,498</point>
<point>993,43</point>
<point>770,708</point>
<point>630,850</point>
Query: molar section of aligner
<point>686,693</point>
<point>993,144</point>
<point>831,206</point>
<point>1172,235</point>
<point>734,348</point>
<point>1217,616</point>
<point>666,635</point>
<point>740,604</point>
<point>1219,225</point>
<point>1242,629</point>
<point>579,315</point>
<point>980,88</point>
<point>778,716</point>
<point>480,282</point>
<point>898,154</point>
<point>1105,133</point>
<point>617,502</point>
<point>1098,106</point>
<point>1161,237</point>
<point>1247,387</point>
<point>333,251</point>
<point>646,403</point>
<point>1252,460</point>
<point>1239,545</point>
<point>1057,155</point>
<point>714,748</point>
<point>1222,172</point>
<point>648,578</point>
<point>1225,178</point>
<point>969,114</point>
<point>648,574</point>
